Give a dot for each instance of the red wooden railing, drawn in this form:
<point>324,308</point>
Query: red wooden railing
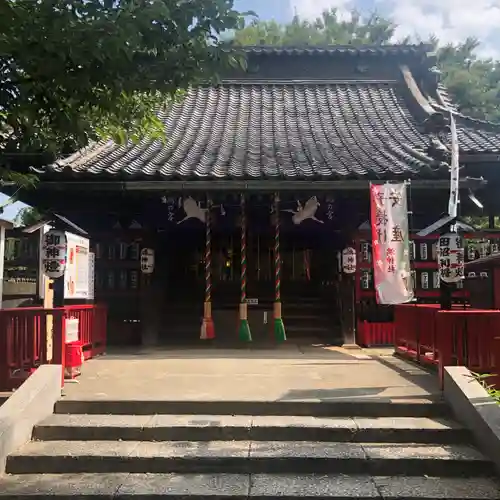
<point>470,338</point>
<point>415,332</point>
<point>24,334</point>
<point>370,334</point>
<point>466,337</point>
<point>92,321</point>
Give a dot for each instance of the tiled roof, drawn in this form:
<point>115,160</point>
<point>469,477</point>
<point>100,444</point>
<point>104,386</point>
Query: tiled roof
<point>477,136</point>
<point>250,129</point>
<point>273,130</point>
<point>474,135</point>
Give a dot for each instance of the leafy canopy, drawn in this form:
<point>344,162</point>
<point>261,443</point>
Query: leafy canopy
<point>74,70</point>
<point>327,29</point>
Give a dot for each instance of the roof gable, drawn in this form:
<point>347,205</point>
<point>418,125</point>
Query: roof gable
<point>340,63</point>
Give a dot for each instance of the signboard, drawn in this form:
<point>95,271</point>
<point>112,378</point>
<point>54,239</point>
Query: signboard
<point>72,330</point>
<point>76,277</point>
<point>451,257</point>
<point>252,302</point>
<point>54,253</point>
<point>91,276</point>
<point>147,260</point>
<point>349,260</point>
<point>391,250</point>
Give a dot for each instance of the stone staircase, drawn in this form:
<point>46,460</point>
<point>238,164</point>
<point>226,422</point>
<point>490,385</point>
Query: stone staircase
<point>312,317</point>
<point>346,450</point>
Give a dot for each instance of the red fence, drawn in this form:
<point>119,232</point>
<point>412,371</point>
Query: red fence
<point>370,334</point>
<point>466,337</point>
<point>92,321</point>
<point>24,334</point>
<point>415,332</point>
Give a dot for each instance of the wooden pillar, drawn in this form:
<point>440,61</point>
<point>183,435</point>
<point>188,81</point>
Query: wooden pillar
<point>152,293</point>
<point>351,294</point>
<point>151,307</point>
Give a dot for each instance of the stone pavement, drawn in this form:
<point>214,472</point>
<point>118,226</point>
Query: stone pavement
<point>285,373</point>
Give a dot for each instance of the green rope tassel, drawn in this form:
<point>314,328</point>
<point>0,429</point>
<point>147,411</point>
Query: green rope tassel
<point>279,330</point>
<point>244,333</point>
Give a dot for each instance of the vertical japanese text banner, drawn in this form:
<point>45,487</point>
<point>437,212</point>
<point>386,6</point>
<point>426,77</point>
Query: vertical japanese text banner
<point>390,243</point>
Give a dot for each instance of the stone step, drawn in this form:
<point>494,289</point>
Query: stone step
<point>309,329</point>
<point>362,407</point>
<point>313,306</point>
<point>244,486</point>
<point>4,396</point>
<point>246,457</point>
<point>306,316</point>
<point>241,428</point>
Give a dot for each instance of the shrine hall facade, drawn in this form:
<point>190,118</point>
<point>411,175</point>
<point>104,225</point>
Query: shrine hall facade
<point>261,181</point>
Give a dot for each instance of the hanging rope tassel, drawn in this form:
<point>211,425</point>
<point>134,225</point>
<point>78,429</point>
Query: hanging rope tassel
<point>207,325</point>
<point>244,333</point>
<point>279,327</point>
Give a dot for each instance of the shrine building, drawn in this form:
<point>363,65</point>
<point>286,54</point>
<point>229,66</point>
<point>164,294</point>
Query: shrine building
<point>261,182</point>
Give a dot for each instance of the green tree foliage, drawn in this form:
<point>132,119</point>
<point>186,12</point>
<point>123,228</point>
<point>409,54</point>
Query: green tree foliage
<point>74,70</point>
<point>328,29</point>
<point>27,217</point>
<point>473,82</point>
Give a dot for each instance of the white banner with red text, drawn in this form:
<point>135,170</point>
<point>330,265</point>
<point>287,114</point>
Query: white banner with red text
<point>390,243</point>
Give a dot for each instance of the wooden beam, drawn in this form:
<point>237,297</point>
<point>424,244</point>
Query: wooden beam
<point>234,185</point>
<point>471,158</point>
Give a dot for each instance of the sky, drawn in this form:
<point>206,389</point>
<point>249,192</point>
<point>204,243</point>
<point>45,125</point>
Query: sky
<point>449,20</point>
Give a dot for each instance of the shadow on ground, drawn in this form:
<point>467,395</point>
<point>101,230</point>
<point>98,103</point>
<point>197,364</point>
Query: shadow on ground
<point>288,351</point>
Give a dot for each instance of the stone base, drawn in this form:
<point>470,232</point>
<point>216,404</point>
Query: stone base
<point>351,346</point>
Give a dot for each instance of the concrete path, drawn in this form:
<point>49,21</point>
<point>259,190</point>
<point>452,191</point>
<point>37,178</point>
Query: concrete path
<point>286,373</point>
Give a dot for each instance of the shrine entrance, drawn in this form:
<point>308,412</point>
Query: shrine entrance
<point>309,289</point>
<point>308,278</point>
